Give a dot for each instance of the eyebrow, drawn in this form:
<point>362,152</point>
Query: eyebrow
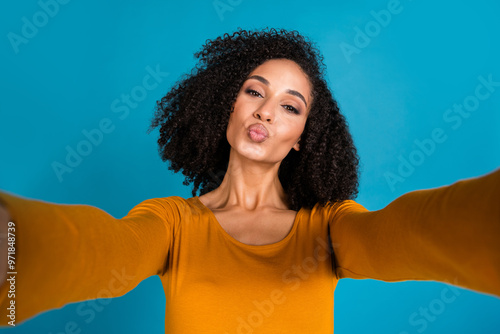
<point>289,91</point>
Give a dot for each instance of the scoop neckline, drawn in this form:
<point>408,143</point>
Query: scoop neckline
<point>242,244</point>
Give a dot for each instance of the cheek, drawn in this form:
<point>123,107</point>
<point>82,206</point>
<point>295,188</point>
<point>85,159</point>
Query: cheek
<point>293,131</point>
<point>237,117</point>
<point>234,124</point>
<point>229,129</point>
<point>233,120</point>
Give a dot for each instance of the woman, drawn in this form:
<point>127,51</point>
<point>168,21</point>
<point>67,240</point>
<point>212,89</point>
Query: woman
<point>262,248</point>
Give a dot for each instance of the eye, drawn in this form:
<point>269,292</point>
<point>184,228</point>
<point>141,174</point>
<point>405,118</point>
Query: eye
<point>253,92</point>
<point>291,109</point>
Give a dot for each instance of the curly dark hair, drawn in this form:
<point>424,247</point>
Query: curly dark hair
<point>194,114</point>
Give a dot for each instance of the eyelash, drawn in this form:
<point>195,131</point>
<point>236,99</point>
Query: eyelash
<point>253,92</point>
<point>287,106</point>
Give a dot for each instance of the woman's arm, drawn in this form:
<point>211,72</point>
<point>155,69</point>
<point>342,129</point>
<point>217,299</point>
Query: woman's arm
<point>69,253</point>
<point>449,234</point>
<point>4,220</point>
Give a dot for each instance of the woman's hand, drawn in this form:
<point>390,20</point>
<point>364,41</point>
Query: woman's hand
<point>4,220</point>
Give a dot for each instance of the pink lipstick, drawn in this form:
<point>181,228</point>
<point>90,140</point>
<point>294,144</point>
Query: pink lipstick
<point>258,132</point>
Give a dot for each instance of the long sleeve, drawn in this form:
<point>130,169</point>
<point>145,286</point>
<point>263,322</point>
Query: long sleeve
<point>68,253</point>
<point>449,234</point>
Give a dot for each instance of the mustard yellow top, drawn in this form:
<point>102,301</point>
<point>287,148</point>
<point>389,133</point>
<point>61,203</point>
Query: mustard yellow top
<point>216,284</point>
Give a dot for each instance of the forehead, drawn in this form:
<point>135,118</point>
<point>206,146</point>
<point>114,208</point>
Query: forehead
<point>284,72</point>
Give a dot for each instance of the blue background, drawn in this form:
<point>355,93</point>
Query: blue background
<point>394,91</point>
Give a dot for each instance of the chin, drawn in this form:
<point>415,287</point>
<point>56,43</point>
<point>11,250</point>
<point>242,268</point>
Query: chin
<point>259,157</point>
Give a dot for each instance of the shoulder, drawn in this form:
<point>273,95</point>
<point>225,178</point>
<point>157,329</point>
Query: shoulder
<point>335,209</point>
<point>173,208</point>
<point>172,211</point>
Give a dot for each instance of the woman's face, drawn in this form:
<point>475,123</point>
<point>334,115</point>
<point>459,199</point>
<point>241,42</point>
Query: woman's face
<point>270,111</point>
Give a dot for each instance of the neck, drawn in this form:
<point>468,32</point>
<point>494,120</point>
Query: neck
<point>250,185</point>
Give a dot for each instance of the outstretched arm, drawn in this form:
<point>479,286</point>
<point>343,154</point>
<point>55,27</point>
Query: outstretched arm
<point>4,229</point>
<point>448,234</point>
<point>69,253</point>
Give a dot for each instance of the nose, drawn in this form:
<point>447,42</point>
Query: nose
<point>265,112</point>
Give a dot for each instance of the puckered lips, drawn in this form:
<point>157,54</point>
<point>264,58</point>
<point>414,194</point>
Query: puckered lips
<point>258,132</point>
